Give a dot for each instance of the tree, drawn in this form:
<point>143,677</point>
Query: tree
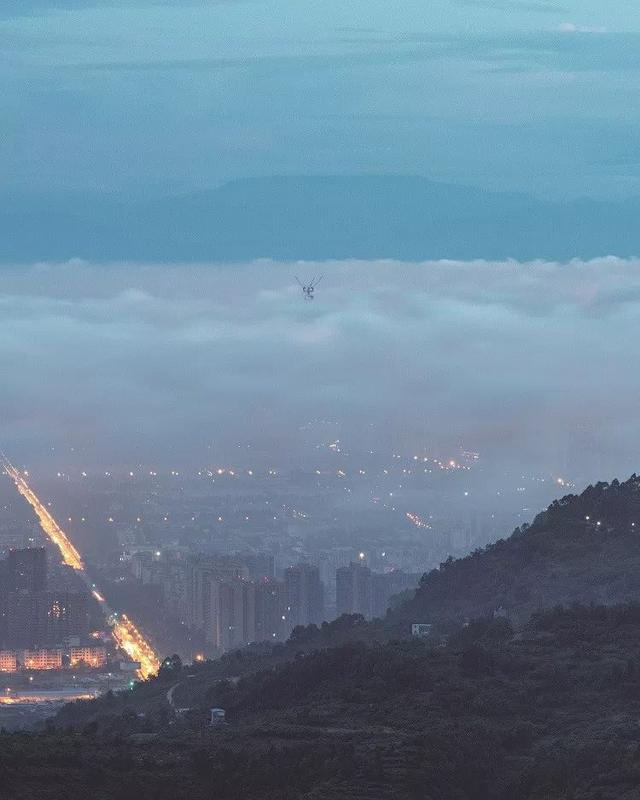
<point>170,668</point>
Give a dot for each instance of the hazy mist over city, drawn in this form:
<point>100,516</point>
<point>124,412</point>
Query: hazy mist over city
<point>162,365</point>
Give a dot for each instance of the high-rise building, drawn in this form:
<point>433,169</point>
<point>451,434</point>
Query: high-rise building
<point>199,575</point>
<point>353,590</point>
<point>39,619</point>
<point>260,565</point>
<point>25,623</point>
<point>305,595</point>
<point>248,612</point>
<point>67,615</point>
<point>232,613</point>
<point>174,581</point>
<point>26,570</point>
<point>385,585</point>
<point>141,566</point>
<point>271,611</point>
<point>30,616</point>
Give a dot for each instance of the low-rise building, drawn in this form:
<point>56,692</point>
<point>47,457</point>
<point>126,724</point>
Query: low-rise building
<point>41,659</point>
<point>8,661</point>
<point>92,656</point>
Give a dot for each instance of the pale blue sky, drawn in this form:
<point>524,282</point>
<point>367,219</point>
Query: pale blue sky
<point>142,99</point>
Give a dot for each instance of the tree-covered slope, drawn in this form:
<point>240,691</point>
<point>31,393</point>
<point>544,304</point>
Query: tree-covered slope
<point>583,549</point>
<point>548,713</point>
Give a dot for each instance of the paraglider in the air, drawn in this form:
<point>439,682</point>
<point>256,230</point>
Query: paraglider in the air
<point>309,288</point>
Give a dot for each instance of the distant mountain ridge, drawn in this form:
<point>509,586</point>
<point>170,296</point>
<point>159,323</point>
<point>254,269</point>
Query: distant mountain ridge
<point>316,218</point>
<point>582,549</point>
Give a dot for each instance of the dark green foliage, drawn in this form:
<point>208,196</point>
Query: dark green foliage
<point>548,712</point>
<point>581,549</point>
<point>170,668</point>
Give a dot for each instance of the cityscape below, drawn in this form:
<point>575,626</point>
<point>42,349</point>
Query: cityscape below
<point>106,573</point>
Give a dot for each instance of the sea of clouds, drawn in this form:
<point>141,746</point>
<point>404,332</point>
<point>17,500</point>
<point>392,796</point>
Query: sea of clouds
<point>528,363</point>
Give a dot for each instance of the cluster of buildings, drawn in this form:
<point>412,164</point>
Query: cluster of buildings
<point>54,658</point>
<point>42,628</point>
<point>361,591</point>
<point>230,601</point>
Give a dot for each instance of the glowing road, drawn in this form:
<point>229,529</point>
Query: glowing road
<point>417,520</point>
<point>30,698</point>
<point>48,524</point>
<point>129,639</point>
<point>126,635</point>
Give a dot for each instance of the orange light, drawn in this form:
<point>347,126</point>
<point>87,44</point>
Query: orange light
<point>126,635</point>
<point>69,554</point>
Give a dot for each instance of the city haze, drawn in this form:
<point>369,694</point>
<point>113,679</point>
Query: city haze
<point>118,364</point>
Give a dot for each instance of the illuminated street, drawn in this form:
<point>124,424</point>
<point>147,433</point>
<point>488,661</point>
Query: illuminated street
<point>126,635</point>
<point>31,698</point>
<point>417,520</point>
<point>129,639</point>
<point>69,554</point>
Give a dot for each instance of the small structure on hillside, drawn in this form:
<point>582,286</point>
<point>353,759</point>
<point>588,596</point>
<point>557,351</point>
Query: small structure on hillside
<point>421,629</point>
<point>218,716</point>
<point>142,738</point>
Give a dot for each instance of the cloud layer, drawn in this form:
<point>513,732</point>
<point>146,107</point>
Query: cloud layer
<point>532,364</point>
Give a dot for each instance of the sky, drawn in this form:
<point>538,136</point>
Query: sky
<point>142,99</point>
<point>128,104</point>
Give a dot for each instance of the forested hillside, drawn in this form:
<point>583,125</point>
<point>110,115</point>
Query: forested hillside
<point>550,712</point>
<point>583,548</point>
